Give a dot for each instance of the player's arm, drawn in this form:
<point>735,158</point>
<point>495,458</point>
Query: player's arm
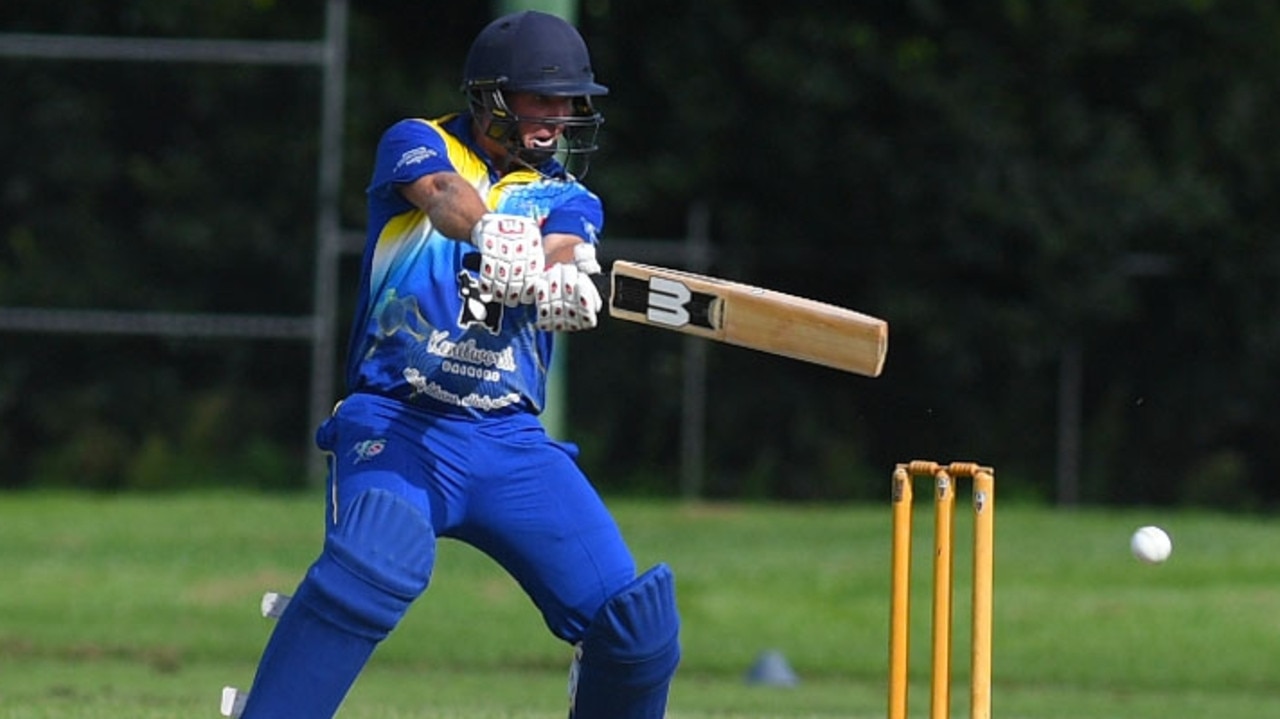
<point>510,245</point>
<point>450,202</point>
<point>560,246</point>
<point>567,299</point>
<point>571,230</point>
<point>454,207</point>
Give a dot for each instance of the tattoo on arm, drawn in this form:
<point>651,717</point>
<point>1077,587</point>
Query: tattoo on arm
<point>451,203</point>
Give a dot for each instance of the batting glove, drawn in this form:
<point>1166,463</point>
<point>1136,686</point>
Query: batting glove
<point>511,256</point>
<point>567,300</point>
<point>584,256</point>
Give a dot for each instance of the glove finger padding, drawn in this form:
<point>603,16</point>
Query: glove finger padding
<point>511,256</point>
<point>567,300</point>
<point>584,257</point>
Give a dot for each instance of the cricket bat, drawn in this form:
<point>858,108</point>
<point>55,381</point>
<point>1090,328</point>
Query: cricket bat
<point>742,315</point>
<point>746,316</point>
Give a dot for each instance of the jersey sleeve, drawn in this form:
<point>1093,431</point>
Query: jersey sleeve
<point>408,150</point>
<point>580,214</point>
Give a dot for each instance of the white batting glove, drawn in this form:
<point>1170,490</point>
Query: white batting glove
<point>511,256</point>
<point>567,300</point>
<point>584,256</point>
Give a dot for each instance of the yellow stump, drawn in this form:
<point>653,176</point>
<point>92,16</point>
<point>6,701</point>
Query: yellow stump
<point>900,594</point>
<point>943,563</point>
<point>984,546</point>
<point>943,512</point>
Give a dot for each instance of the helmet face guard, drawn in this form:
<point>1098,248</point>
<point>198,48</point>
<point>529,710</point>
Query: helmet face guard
<point>574,143</point>
<point>542,54</point>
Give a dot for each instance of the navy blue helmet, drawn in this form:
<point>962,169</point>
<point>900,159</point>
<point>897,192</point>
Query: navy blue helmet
<point>534,52</point>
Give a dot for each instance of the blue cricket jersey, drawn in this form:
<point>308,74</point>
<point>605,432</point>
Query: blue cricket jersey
<point>421,332</point>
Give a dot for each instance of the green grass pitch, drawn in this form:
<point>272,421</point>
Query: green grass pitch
<point>145,606</point>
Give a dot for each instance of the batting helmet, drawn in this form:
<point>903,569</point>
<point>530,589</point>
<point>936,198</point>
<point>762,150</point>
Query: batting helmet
<point>535,52</point>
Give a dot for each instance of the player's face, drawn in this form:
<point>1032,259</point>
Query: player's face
<point>535,134</point>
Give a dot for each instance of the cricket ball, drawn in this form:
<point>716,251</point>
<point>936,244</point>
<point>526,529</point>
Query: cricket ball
<point>1151,544</point>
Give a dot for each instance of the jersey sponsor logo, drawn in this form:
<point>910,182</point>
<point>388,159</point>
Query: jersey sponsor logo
<point>470,371</point>
<point>415,156</point>
<point>439,345</point>
<point>366,450</point>
<point>477,309</point>
<point>423,386</point>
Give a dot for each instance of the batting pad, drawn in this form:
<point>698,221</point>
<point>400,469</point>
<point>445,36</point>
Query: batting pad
<point>374,564</point>
<point>630,652</point>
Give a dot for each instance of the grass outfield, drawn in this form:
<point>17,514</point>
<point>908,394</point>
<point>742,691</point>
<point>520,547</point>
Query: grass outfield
<point>144,607</point>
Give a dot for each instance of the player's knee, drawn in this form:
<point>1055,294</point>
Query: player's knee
<point>375,563</point>
<point>638,627</point>
<point>631,650</point>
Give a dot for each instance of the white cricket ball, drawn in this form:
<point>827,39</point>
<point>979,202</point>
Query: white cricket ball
<point>1151,545</point>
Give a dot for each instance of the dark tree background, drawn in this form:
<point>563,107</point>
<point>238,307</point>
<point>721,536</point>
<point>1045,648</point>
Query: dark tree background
<point>1013,185</point>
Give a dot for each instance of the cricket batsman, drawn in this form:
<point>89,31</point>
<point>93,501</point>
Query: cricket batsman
<point>439,435</point>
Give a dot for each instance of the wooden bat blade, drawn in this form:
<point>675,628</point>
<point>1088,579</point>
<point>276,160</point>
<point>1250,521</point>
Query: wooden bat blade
<point>751,317</point>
